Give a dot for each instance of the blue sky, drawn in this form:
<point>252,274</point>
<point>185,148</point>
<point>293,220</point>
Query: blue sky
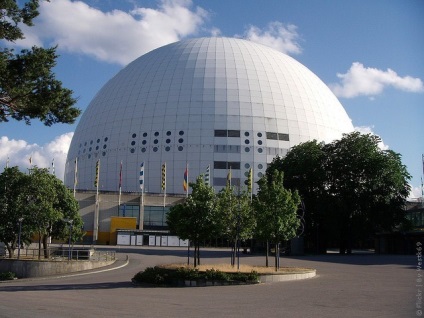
<point>370,53</point>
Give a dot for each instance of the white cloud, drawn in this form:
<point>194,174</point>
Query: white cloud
<point>18,152</point>
<point>281,37</point>
<point>115,36</point>
<point>368,81</point>
<point>369,130</point>
<point>415,194</point>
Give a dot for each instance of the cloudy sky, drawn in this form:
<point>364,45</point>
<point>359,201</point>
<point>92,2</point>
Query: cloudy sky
<point>370,53</point>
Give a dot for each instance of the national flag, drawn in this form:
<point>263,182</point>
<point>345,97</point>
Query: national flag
<point>229,176</point>
<point>76,172</point>
<point>207,175</point>
<point>141,178</point>
<point>250,180</point>
<point>185,182</point>
<point>30,160</point>
<point>120,176</point>
<point>163,177</point>
<point>96,180</point>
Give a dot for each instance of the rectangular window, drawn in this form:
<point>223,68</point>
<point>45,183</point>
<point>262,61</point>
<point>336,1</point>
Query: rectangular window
<point>220,133</point>
<point>234,133</point>
<point>225,165</point>
<point>284,137</point>
<point>271,135</point>
<point>127,210</point>
<point>220,165</point>
<point>155,216</point>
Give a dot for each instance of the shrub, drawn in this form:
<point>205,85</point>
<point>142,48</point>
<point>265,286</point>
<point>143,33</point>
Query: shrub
<point>7,276</point>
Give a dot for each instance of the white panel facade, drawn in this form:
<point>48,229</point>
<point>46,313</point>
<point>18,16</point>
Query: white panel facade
<point>215,102</point>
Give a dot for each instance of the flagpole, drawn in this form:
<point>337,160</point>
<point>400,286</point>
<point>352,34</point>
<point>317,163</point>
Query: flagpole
<point>164,183</point>
<point>120,186</point>
<point>96,208</point>
<point>141,182</point>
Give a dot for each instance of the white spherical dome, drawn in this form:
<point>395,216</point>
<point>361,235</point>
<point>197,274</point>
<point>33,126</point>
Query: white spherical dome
<point>217,102</point>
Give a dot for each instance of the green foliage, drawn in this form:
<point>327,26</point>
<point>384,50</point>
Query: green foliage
<point>351,188</point>
<point>28,87</point>
<point>7,276</point>
<point>41,201</point>
<point>169,277</point>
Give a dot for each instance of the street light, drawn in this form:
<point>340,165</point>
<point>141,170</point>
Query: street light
<point>19,237</point>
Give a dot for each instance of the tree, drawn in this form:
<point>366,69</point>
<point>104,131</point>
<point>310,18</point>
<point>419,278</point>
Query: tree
<point>42,202</point>
<point>28,87</point>
<point>236,218</point>
<point>351,188</point>
<point>368,187</point>
<point>12,209</point>
<point>196,218</point>
<point>304,171</point>
<point>276,211</point>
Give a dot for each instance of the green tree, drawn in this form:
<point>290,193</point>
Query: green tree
<point>368,187</point>
<point>304,171</point>
<point>13,213</point>
<point>276,211</point>
<point>196,218</point>
<point>28,87</point>
<point>236,217</point>
<point>42,202</point>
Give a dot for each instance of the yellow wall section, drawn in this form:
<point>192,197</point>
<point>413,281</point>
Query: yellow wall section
<point>121,223</point>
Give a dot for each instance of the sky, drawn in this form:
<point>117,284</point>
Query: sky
<point>370,53</point>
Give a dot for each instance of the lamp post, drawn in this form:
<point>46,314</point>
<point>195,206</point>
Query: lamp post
<point>19,237</point>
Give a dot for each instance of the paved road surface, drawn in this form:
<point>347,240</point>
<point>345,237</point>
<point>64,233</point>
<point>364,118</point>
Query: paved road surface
<point>346,286</point>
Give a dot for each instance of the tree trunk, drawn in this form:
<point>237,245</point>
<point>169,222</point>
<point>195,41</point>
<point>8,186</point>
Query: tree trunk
<point>39,245</point>
<point>45,246</point>
<point>267,254</point>
<point>11,250</point>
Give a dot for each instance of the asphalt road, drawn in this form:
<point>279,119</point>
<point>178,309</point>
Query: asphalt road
<point>359,285</point>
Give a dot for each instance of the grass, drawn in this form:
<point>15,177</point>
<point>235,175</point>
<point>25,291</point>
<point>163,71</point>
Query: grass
<point>227,268</point>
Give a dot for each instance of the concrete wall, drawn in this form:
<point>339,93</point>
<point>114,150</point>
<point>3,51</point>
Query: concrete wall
<point>34,268</point>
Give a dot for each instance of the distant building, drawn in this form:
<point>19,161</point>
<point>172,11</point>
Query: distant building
<point>199,106</point>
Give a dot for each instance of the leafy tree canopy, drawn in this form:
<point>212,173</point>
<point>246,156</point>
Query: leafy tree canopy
<point>28,87</point>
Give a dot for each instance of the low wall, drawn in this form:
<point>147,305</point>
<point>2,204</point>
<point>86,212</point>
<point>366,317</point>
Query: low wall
<point>272,278</point>
<point>36,268</point>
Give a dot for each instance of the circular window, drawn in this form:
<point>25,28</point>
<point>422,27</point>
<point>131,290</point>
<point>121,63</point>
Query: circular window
<point>104,153</point>
<point>247,149</point>
<point>106,139</point>
<point>260,174</point>
<point>155,149</point>
<point>155,141</point>
<point>167,148</point>
<point>97,147</point>
<point>156,133</point>
<point>260,150</point>
<point>98,140</point>
<point>260,166</point>
<point>181,132</point>
<point>247,166</point>
<point>132,150</point>
<point>246,174</point>
<point>181,140</point>
<point>83,151</point>
<point>132,143</point>
<point>143,149</point>
<point>180,148</point>
<point>259,142</point>
<point>247,141</point>
<point>80,145</point>
<point>168,133</point>
<point>85,144</point>
<point>168,141</point>
<point>104,146</point>
<point>144,142</point>
<point>89,156</point>
<point>134,135</point>
<point>91,142</point>
<point>246,134</point>
<point>259,134</point>
<point>89,149</point>
<point>144,134</point>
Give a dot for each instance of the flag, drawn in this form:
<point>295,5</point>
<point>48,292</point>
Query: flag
<point>120,176</point>
<point>76,172</point>
<point>53,167</point>
<point>185,182</point>
<point>30,160</point>
<point>141,178</point>
<point>207,175</point>
<point>249,180</point>
<point>229,176</point>
<point>96,180</point>
<point>163,178</point>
